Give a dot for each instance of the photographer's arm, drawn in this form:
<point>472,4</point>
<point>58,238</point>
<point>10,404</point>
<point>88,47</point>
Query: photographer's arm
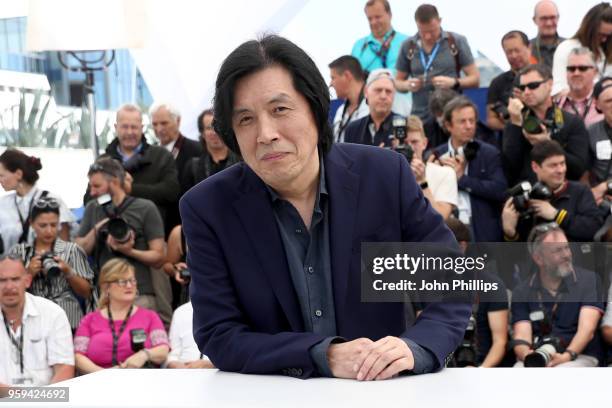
<point>522,331</point>
<point>498,322</point>
<point>88,241</point>
<point>84,365</point>
<point>150,257</point>
<point>587,324</point>
<point>493,120</point>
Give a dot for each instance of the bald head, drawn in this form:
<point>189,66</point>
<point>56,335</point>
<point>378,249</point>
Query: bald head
<point>546,17</point>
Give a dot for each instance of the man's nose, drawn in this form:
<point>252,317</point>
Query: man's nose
<point>266,130</point>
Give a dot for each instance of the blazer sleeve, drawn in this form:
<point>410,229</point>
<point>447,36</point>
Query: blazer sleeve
<point>491,185</point>
<point>440,327</point>
<point>514,152</point>
<point>220,327</point>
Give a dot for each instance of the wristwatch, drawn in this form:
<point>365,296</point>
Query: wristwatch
<point>424,185</point>
<point>573,354</point>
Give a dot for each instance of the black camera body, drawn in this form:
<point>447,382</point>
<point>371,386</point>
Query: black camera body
<point>467,352</point>
<point>405,150</point>
<point>502,110</point>
<point>117,227</point>
<point>532,124</point>
<point>138,338</point>
<point>524,191</point>
<point>50,266</point>
<point>185,274</point>
<point>546,347</point>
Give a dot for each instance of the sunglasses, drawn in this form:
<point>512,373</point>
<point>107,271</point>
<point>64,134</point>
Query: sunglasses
<point>581,68</point>
<point>532,85</point>
<point>46,203</point>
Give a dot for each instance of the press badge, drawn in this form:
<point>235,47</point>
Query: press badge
<point>22,381</point>
<point>603,149</point>
<point>536,316</point>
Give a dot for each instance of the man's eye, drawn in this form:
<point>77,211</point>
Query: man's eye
<point>244,120</point>
<point>280,109</point>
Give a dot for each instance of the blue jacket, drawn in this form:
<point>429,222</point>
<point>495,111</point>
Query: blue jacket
<point>486,184</point>
<point>246,313</point>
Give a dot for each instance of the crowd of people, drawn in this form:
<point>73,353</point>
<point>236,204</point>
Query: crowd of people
<point>102,293</point>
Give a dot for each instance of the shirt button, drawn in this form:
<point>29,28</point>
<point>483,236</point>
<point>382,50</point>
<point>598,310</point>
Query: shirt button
<point>310,270</point>
<point>318,313</point>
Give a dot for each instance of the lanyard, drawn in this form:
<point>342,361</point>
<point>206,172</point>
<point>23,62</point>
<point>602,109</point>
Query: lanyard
<point>25,224</point>
<point>553,313</point>
<point>427,63</point>
<point>18,344</point>
<point>587,108</point>
<point>381,52</point>
<point>116,336</point>
<point>344,120</point>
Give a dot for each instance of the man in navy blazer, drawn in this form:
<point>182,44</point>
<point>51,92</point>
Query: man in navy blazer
<point>274,242</point>
<point>480,176</point>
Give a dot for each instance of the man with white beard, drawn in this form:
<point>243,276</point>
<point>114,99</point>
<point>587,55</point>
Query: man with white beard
<point>556,306</point>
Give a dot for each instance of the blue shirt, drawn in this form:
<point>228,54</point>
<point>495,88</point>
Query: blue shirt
<point>367,51</point>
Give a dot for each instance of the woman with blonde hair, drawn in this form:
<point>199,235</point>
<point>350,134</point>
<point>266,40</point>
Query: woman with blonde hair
<point>105,338</point>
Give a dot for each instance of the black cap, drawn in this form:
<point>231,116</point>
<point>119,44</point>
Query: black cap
<point>603,83</point>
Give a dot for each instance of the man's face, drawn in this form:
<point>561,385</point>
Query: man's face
<point>551,172</point>
<point>430,31</point>
<point>380,94</point>
<point>340,82</point>
<point>165,125</point>
<point>14,280</point>
<point>129,129</point>
<point>517,53</point>
<point>275,127</point>
<point>554,256</point>
<point>604,103</point>
<point>98,185</point>
<point>462,126</point>
<point>580,73</point>
<point>417,141</point>
<point>211,138</point>
<point>546,18</point>
<point>378,19</point>
<point>534,98</point>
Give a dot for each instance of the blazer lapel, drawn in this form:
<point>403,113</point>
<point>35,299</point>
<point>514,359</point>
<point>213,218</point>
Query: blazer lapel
<point>343,192</point>
<point>255,212</point>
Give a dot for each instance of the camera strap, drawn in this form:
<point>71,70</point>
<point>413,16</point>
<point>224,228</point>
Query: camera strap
<point>18,344</point>
<point>544,329</point>
<point>117,336</point>
<point>381,52</point>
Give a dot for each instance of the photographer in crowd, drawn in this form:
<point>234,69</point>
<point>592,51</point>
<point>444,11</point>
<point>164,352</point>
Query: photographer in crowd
<point>555,312</point>
<point>478,169</point>
<point>35,342</point>
<point>119,334</point>
<point>516,47</point>
<point>600,145</point>
<point>533,119</point>
<point>18,175</point>
<point>377,128</point>
<point>552,199</point>
<point>152,168</point>
<point>60,271</point>
<point>439,183</point>
<point>118,225</point>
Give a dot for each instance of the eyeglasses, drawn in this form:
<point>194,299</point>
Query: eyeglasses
<point>46,203</point>
<point>581,68</point>
<point>531,85</point>
<point>124,282</point>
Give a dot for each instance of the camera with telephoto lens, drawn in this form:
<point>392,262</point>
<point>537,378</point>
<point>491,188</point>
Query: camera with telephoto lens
<point>467,353</point>
<point>524,191</point>
<point>49,265</point>
<point>502,110</point>
<point>116,226</point>
<point>532,124</point>
<point>543,354</point>
<point>138,338</point>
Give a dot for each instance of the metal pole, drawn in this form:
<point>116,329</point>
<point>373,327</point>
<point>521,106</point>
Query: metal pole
<point>91,108</point>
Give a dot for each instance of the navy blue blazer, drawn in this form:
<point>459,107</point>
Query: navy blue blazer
<point>487,186</point>
<point>246,312</point>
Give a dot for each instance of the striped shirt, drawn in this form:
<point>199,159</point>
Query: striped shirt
<point>57,288</point>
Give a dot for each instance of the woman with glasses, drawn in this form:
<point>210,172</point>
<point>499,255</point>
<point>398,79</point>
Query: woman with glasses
<point>18,175</point>
<point>60,271</point>
<point>108,337</point>
<point>594,33</point>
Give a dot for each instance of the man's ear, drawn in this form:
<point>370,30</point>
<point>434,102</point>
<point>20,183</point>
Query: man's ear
<point>535,167</point>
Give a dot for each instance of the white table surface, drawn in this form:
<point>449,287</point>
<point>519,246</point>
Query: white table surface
<point>453,388</point>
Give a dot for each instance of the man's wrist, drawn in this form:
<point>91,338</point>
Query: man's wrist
<point>147,354</point>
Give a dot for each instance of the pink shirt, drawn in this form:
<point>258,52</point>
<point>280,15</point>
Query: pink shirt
<point>94,340</point>
<point>579,108</point>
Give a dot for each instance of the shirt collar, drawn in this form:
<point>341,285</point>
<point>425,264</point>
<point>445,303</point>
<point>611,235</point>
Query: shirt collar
<point>170,145</point>
<point>29,308</point>
<point>371,37</point>
<point>536,283</point>
<point>124,158</point>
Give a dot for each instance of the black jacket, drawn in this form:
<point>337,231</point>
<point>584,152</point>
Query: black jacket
<point>155,175</point>
<point>583,218</point>
<point>572,136</point>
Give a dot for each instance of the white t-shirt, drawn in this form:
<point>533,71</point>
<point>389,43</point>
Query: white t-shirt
<point>10,223</point>
<point>341,122</point>
<point>47,341</point>
<point>183,346</point>
<point>442,181</point>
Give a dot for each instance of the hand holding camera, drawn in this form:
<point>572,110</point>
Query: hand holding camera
<point>182,274</point>
<point>543,209</point>
<point>510,217</point>
<point>123,246</point>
